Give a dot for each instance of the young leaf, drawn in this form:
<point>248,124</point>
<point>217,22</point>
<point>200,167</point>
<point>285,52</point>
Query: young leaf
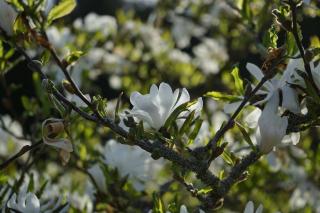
<point>177,112</point>
<point>187,123</point>
<point>246,136</point>
<point>227,157</point>
<point>64,8</point>
<point>237,80</point>
<point>158,204</point>
<point>219,96</point>
<point>195,131</point>
<point>270,38</point>
<point>73,56</point>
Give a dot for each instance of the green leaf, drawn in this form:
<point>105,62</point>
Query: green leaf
<point>187,123</point>
<point>64,8</point>
<point>174,115</point>
<point>228,158</point>
<point>270,38</point>
<point>291,45</point>
<point>158,206</point>
<point>195,131</point>
<point>237,80</point>
<point>246,10</point>
<point>74,56</point>
<point>245,135</point>
<point>219,96</point>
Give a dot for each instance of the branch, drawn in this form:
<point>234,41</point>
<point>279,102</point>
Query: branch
<point>234,177</point>
<point>68,77</point>
<point>23,150</point>
<point>230,122</point>
<point>295,32</point>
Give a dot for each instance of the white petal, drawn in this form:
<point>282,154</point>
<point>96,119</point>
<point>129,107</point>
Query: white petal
<point>259,209</point>
<point>32,203</point>
<point>154,91</point>
<point>133,98</point>
<point>7,17</point>
<point>272,127</point>
<point>184,97</point>
<point>252,119</point>
<point>61,143</point>
<point>12,203</point>
<point>273,161</point>
<point>183,209</point>
<point>290,99</point>
<point>99,177</point>
<point>249,207</point>
<point>255,71</point>
<point>165,100</point>
<point>230,108</point>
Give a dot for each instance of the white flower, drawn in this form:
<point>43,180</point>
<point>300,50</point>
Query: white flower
<point>98,177</point>
<point>131,161</point>
<point>183,29</point>
<point>272,127</point>
<point>297,64</point>
<point>210,54</point>
<point>250,208</point>
<point>50,129</point>
<point>93,23</point>
<point>26,203</point>
<point>251,121</point>
<point>290,98</point>
<point>155,108</point>
<point>7,17</point>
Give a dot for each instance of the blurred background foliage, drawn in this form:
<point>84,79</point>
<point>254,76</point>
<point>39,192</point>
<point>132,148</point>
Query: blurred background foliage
<point>128,46</point>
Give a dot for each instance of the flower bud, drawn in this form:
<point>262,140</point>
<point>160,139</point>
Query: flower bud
<point>51,128</point>
<point>67,86</point>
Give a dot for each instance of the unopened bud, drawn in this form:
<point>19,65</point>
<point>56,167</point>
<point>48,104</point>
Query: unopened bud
<point>53,129</point>
<point>67,85</point>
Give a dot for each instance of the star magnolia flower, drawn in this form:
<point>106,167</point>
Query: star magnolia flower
<point>26,202</point>
<point>29,203</point>
<point>297,64</point>
<point>251,121</point>
<point>131,161</point>
<point>290,98</point>
<point>50,129</point>
<point>7,17</point>
<point>250,208</point>
<point>272,127</point>
<point>155,108</point>
<point>98,177</point>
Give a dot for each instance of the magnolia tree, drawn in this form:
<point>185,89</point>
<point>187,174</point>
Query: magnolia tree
<point>193,107</point>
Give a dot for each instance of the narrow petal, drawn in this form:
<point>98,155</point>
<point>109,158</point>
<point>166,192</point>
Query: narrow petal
<point>231,107</point>
<point>290,99</point>
<point>249,207</point>
<point>32,203</point>
<point>183,209</point>
<point>259,209</point>
<point>60,143</point>
<point>255,71</point>
<point>272,127</point>
<point>184,97</point>
<point>252,119</point>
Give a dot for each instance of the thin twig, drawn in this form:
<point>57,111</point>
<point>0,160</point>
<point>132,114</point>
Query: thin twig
<point>295,32</point>
<point>230,122</point>
<point>23,150</point>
